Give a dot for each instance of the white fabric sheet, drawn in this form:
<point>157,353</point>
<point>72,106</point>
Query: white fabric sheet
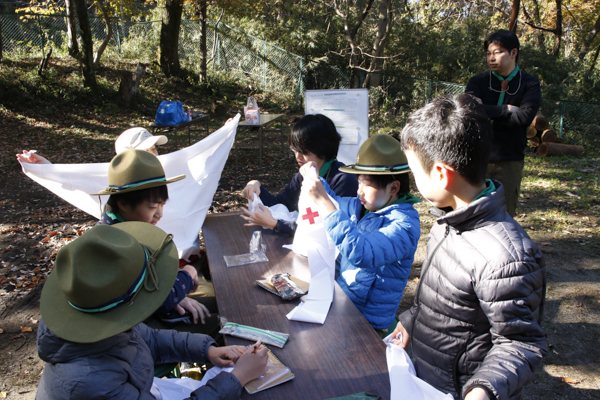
<point>278,211</point>
<point>189,199</point>
<point>403,378</point>
<point>311,239</point>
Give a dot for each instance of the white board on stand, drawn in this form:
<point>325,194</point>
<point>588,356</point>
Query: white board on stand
<point>349,111</point>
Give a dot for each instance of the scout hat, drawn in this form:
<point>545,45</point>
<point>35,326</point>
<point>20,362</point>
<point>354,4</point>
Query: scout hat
<point>138,138</point>
<point>379,155</point>
<point>135,170</point>
<point>108,280</point>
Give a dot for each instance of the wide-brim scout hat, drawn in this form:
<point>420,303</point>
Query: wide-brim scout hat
<point>138,138</point>
<point>135,170</point>
<point>108,280</point>
<point>379,155</point>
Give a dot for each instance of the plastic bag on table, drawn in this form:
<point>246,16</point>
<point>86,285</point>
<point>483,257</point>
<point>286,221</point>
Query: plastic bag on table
<point>257,253</point>
<point>253,334</point>
<point>252,112</point>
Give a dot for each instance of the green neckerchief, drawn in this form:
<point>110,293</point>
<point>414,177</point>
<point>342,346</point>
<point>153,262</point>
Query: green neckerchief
<point>115,216</point>
<point>326,167</point>
<point>508,79</point>
<point>490,188</point>
<point>405,198</point>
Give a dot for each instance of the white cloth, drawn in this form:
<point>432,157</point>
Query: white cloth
<point>189,199</point>
<point>181,388</point>
<point>403,378</point>
<point>311,239</point>
<point>278,211</point>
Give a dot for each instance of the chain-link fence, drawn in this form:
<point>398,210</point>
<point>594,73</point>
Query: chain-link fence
<point>269,68</point>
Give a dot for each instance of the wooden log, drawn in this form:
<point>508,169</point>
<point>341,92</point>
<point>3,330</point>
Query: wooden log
<point>534,141</point>
<point>548,136</point>
<point>558,149</point>
<point>531,131</point>
<point>540,122</point>
<point>559,140</point>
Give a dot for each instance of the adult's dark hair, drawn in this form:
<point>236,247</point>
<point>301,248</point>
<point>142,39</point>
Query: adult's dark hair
<point>133,199</point>
<point>316,134</point>
<point>381,181</point>
<point>504,38</point>
<point>455,131</point>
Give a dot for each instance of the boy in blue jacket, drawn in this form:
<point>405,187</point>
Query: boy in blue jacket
<point>376,232</point>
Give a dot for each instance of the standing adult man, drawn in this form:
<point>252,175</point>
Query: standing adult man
<point>511,98</point>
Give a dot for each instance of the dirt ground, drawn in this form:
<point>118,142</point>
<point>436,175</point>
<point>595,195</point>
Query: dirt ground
<point>34,224</point>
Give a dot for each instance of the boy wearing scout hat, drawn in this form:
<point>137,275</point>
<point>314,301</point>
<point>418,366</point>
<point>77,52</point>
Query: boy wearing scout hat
<point>137,186</point>
<point>104,284</point>
<point>376,232</point>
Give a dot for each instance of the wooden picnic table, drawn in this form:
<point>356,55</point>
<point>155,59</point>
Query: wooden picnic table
<point>341,357</point>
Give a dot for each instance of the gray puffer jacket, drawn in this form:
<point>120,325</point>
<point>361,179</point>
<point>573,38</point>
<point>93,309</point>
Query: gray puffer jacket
<point>122,366</point>
<point>476,317</point>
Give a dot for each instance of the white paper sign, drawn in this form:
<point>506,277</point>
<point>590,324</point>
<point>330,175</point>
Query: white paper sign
<point>349,111</point>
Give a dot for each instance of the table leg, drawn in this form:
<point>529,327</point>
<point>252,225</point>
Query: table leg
<point>260,148</point>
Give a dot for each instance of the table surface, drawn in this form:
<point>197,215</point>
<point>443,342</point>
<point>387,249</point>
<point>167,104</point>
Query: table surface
<point>193,121</point>
<point>341,357</point>
<point>265,119</point>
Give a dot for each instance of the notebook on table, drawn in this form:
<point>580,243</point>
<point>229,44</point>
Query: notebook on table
<point>275,374</point>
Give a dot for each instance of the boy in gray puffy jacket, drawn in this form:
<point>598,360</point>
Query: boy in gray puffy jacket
<point>475,323</point>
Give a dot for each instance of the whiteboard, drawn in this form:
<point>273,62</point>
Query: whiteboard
<point>349,111</point>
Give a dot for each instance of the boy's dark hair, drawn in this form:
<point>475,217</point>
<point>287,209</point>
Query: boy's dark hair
<point>317,134</point>
<point>455,131</point>
<point>504,38</point>
<point>133,199</point>
<point>381,181</point>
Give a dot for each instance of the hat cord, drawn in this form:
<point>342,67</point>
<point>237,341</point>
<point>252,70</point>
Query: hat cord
<point>152,275</point>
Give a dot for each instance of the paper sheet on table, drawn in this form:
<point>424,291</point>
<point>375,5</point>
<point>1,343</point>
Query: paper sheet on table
<point>181,388</point>
<point>321,253</point>
<point>278,211</point>
<point>403,378</point>
<point>189,199</point>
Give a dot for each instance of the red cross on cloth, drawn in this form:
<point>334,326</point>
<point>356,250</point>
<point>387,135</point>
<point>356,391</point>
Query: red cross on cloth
<point>310,216</point>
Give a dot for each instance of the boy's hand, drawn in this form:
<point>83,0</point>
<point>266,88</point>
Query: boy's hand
<point>315,189</point>
<point>251,188</point>
<point>251,364</point>
<point>198,310</point>
<point>194,274</point>
<point>405,340</point>
<point>225,356</point>
<point>29,157</point>
<point>477,393</point>
<point>262,217</point>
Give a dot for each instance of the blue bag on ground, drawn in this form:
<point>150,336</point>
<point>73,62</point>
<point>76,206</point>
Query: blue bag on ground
<point>170,113</point>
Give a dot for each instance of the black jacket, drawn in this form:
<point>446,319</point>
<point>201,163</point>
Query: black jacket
<point>477,311</point>
<point>509,137</point>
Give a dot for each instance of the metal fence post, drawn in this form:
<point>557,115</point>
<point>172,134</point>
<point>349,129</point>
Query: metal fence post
<point>264,65</point>
<point>118,37</point>
<point>428,91</point>
<point>563,110</point>
<point>299,85</point>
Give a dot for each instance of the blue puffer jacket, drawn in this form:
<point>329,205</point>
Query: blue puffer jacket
<point>122,366</point>
<point>376,254</point>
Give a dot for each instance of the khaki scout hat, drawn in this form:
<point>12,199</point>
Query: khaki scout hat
<point>108,280</point>
<point>135,170</point>
<point>379,155</point>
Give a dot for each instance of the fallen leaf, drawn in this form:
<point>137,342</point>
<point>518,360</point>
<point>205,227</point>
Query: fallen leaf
<point>416,280</point>
<point>572,195</point>
<point>26,329</point>
<point>17,336</point>
<point>2,330</point>
<point>3,395</point>
<point>546,244</point>
<point>568,380</point>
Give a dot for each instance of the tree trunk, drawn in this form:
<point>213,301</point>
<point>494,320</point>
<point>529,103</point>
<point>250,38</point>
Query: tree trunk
<point>109,32</point>
<point>514,16</point>
<point>587,42</point>
<point>540,122</point>
<point>203,50</point>
<point>44,62</point>
<point>548,136</point>
<point>169,38</point>
<point>531,131</point>
<point>557,149</point>
<point>534,141</point>
<point>1,42</point>
<point>384,28</point>
<point>72,30</point>
<point>558,30</point>
<point>87,58</point>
